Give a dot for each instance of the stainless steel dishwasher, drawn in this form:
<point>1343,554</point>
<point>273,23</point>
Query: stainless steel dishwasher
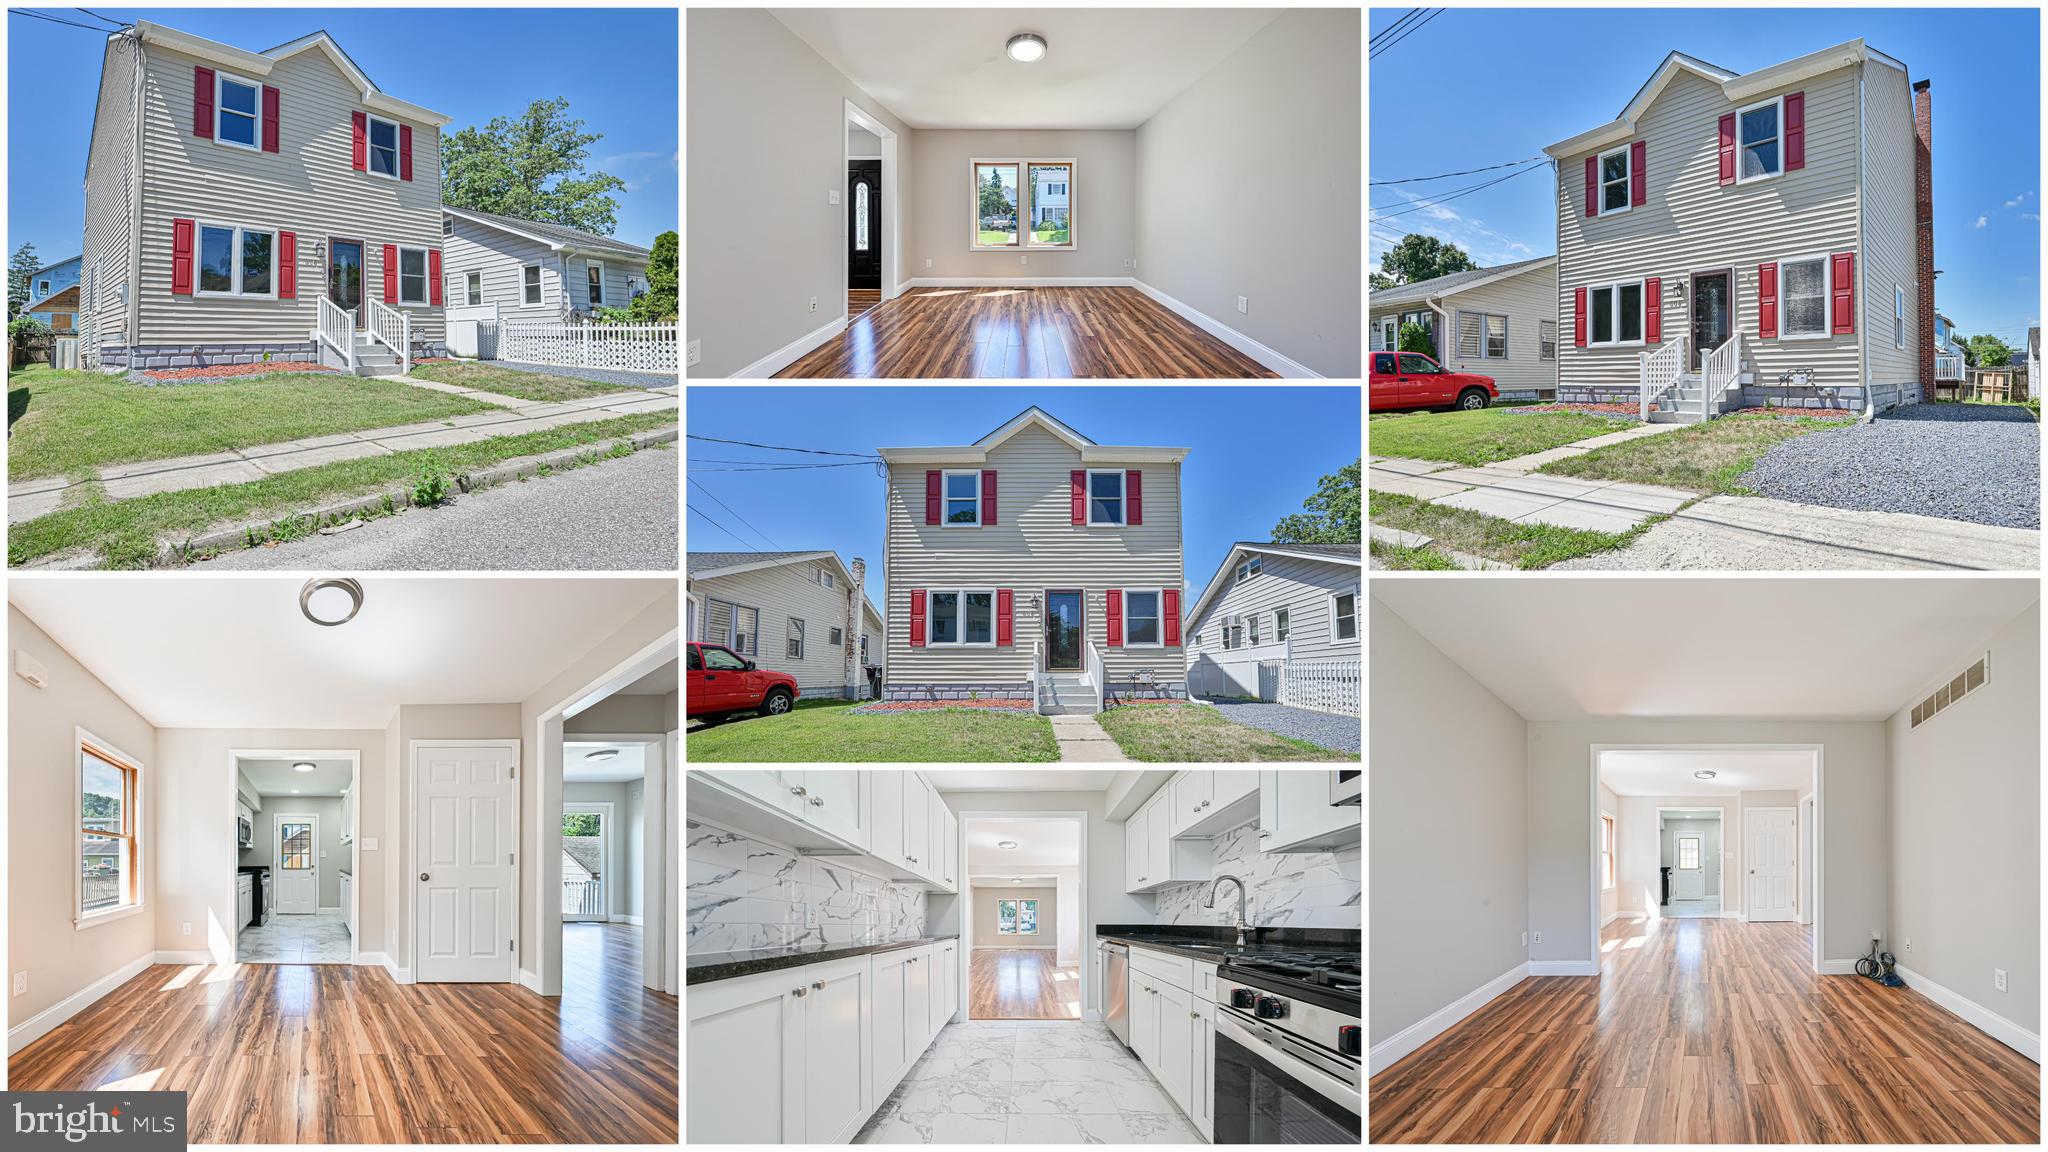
<point>1116,988</point>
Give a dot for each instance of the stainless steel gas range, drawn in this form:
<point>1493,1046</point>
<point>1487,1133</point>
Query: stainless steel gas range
<point>1289,1039</point>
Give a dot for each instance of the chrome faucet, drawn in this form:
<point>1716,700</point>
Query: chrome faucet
<point>1211,901</point>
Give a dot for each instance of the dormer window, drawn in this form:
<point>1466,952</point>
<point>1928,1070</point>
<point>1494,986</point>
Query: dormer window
<point>1105,498</point>
<point>1614,182</point>
<point>1759,130</point>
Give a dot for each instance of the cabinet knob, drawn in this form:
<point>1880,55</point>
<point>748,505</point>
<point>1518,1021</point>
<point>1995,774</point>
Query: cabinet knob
<point>818,987</point>
<point>1205,803</point>
<point>798,792</point>
<point>801,991</point>
<point>817,802</point>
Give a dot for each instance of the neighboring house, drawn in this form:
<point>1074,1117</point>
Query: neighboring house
<point>2033,354</point>
<point>539,272</point>
<point>1049,194</point>
<point>1034,564</point>
<point>229,192</point>
<point>45,287</point>
<point>1777,207</point>
<point>790,612</point>
<point>60,312</point>
<point>1273,603</point>
<point>1500,322</point>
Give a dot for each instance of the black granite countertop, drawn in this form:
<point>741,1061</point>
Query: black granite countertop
<point>1214,944</point>
<point>725,965</point>
<point>252,868</point>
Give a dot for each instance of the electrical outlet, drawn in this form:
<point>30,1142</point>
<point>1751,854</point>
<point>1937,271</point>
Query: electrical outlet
<point>187,929</point>
<point>1525,939</point>
<point>1240,305</point>
<point>1023,259</point>
<point>1998,979</point>
<point>1539,937</point>
<point>927,263</point>
<point>814,303</point>
<point>21,983</point>
<point>693,352</point>
<point>368,844</point>
<point>832,197</point>
<point>1909,943</point>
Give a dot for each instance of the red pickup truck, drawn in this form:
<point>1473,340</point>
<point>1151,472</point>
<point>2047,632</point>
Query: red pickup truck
<point>1412,380</point>
<point>721,682</point>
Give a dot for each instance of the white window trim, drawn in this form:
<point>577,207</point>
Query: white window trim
<point>597,301</point>
<point>220,109</point>
<point>540,285</point>
<point>1483,317</point>
<point>1614,309</point>
<point>944,521</point>
<point>1600,181</point>
<point>1827,298</point>
<point>1610,849</point>
<point>1898,317</point>
<point>1739,177</point>
<point>199,228</point>
<point>473,295</point>
<point>1541,355</point>
<point>1024,206</point>
<point>1281,619</point>
<point>1123,502</point>
<point>1351,591</point>
<point>835,637</point>
<point>1159,605</point>
<point>1248,568</point>
<point>426,277</point>
<point>80,921</point>
<point>1252,628</point>
<point>370,121</point>
<point>930,614</point>
<point>802,637</point>
<point>42,287</point>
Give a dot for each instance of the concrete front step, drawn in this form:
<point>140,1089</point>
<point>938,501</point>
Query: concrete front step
<point>1067,710</point>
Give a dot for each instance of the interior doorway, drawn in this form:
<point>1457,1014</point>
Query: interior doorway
<point>293,899</point>
<point>1690,855</point>
<point>1024,916</point>
<point>871,230</point>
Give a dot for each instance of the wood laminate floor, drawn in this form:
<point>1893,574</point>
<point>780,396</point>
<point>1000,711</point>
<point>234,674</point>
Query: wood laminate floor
<point>291,1053</point>
<point>950,333</point>
<point>1021,984</point>
<point>859,300</point>
<point>1708,1031</point>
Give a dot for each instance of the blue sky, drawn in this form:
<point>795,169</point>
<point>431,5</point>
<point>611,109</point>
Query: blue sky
<point>454,61</point>
<point>1507,104</point>
<point>1255,455</point>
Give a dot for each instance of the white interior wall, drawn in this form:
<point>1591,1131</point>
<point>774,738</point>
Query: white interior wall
<point>1642,849</point>
<point>1104,200</point>
<point>1610,898</point>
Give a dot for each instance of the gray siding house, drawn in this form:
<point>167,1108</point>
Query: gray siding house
<point>229,192</point>
<point>791,612</point>
<point>1272,603</point>
<point>1034,564</point>
<point>1499,322</point>
<point>1774,209</point>
<point>545,273</point>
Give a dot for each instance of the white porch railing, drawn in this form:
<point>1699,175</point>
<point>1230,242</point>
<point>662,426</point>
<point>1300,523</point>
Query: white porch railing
<point>627,347</point>
<point>1719,369</point>
<point>1948,367</point>
<point>1037,662</point>
<point>338,331</point>
<point>581,898</point>
<point>1323,685</point>
<point>393,329</point>
<point>1096,679</point>
<point>1658,371</point>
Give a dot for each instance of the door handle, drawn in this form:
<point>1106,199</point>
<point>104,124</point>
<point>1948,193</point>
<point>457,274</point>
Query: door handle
<point>424,876</point>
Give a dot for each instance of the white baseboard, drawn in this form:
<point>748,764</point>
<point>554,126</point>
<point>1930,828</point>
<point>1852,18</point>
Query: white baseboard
<point>1277,361</point>
<point>43,1023</point>
<point>530,981</point>
<point>336,908</point>
<point>624,919</point>
<point>1020,282</point>
<point>184,956</point>
<point>1630,914</point>
<point>1408,1039</point>
<point>380,960</point>
<point>791,352</point>
<point>1990,1023</point>
<point>1610,918</point>
<point>1564,967</point>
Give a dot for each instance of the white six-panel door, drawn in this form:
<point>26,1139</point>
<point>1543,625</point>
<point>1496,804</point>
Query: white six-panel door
<point>466,801</point>
<point>1771,835</point>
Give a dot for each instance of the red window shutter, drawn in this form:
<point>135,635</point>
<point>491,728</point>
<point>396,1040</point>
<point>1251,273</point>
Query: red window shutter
<point>1115,613</point>
<point>1134,497</point>
<point>988,496</point>
<point>1653,310</point>
<point>181,257</point>
<point>1767,301</point>
<point>1726,144</point>
<point>1638,174</point>
<point>270,102</point>
<point>1171,610</point>
<point>1003,605</point>
<point>287,265</point>
<point>434,277</point>
<point>917,617</point>
<point>1592,186</point>
<point>1843,291</point>
<point>202,101</point>
<point>1578,317</point>
<point>359,142</point>
<point>1795,131</point>
<point>405,151</point>
<point>931,496</point>
<point>1077,482</point>
<point>391,273</point>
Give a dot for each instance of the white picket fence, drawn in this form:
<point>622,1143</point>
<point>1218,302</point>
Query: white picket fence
<point>1323,685</point>
<point>628,347</point>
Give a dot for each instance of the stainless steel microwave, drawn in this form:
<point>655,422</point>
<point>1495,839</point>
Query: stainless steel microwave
<point>242,837</point>
<point>1344,785</point>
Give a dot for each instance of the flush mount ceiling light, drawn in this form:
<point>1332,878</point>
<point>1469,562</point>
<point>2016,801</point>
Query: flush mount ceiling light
<point>600,754</point>
<point>331,600</point>
<point>1026,47</point>
<point>1016,881</point>
<point>1006,843</point>
<point>303,766</point>
<point>1704,774</point>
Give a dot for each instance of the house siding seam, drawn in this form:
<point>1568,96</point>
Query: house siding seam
<point>780,594</point>
<point>1526,299</point>
<point>1303,587</point>
<point>1694,223</point>
<point>1033,546</point>
<point>1888,229</point>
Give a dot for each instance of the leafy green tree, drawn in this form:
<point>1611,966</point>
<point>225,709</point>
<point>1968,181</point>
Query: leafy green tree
<point>579,823</point>
<point>1418,257</point>
<point>1333,515</point>
<point>531,168</point>
<point>20,266</point>
<point>1987,352</point>
<point>1415,338</point>
<point>993,201</point>
<point>658,304</point>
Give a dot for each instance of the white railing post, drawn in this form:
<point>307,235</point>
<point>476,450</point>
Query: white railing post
<point>1643,384</point>
<point>405,356</point>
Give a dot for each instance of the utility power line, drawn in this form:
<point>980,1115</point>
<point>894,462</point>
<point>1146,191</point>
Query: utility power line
<point>770,540</point>
<point>55,20</point>
<point>790,467</point>
<point>1447,198</point>
<point>1412,29</point>
<point>1466,172</point>
<point>1396,26</point>
<point>785,448</point>
<point>89,12</point>
<point>720,527</point>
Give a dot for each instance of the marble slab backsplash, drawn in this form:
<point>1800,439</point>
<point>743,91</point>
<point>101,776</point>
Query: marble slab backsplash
<point>1282,889</point>
<point>748,893</point>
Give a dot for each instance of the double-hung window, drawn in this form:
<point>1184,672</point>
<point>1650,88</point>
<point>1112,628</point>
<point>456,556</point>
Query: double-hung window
<point>1548,337</point>
<point>1803,298</point>
<point>1016,917</point>
<point>1898,317</point>
<point>234,110</point>
<point>412,275</point>
<point>383,147</point>
<point>595,271</point>
<point>1614,182</point>
<point>1019,203</point>
<point>1106,498</point>
<point>529,285</point>
<point>963,499</point>
<point>1344,614</point>
<point>964,618</point>
<point>1280,624</point>
<point>795,639</point>
<point>42,288</point>
<point>1757,131</point>
<point>109,864</point>
<point>1253,620</point>
<point>1482,336</point>
<point>1614,313</point>
<point>236,261</point>
<point>474,282</point>
<point>1141,618</point>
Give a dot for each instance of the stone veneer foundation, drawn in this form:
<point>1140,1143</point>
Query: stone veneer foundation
<point>992,690</point>
<point>148,357</point>
<point>1753,396</point>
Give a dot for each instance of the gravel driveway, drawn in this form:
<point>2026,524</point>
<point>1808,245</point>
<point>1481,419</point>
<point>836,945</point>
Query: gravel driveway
<point>1980,463</point>
<point>601,375</point>
<point>1324,729</point>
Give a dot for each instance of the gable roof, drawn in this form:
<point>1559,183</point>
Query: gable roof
<point>65,301</point>
<point>1350,555</point>
<point>559,237</point>
<point>1452,283</point>
<point>259,64</point>
<point>704,565</point>
<point>1033,417</point>
<point>56,264</point>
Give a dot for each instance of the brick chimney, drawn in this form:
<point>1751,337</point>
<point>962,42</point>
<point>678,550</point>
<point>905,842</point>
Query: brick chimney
<point>856,675</point>
<point>1923,229</point>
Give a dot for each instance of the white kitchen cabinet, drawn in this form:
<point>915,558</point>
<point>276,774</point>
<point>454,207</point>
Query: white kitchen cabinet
<point>768,787</point>
<point>746,1040</point>
<point>1174,1066</point>
<point>1144,1019</point>
<point>831,802</point>
<point>891,1040</point>
<point>837,1058</point>
<point>1186,794</point>
<point>945,829</point>
<point>946,978</point>
<point>245,900</point>
<point>348,908</point>
<point>1203,803</point>
<point>917,825</point>
<point>885,816</point>
<point>1295,813</point>
<point>1158,838</point>
<point>1135,848</point>
<point>348,815</point>
<point>1152,857</point>
<point>917,1004</point>
<point>1204,1115</point>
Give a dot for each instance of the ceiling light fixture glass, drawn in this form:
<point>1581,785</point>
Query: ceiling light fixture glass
<point>600,754</point>
<point>1704,774</point>
<point>331,600</point>
<point>1026,47</point>
<point>1006,843</point>
<point>303,766</point>
<point>1016,881</point>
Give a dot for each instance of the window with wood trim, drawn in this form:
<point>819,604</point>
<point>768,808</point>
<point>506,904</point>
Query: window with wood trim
<point>1606,851</point>
<point>1022,204</point>
<point>1017,917</point>
<point>109,832</point>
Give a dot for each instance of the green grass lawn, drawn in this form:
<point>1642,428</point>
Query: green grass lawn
<point>1483,437</point>
<point>506,382</point>
<point>1050,236</point>
<point>1193,733</point>
<point>822,732</point>
<point>1525,545</point>
<point>70,423</point>
<point>989,239</point>
<point>1705,458</point>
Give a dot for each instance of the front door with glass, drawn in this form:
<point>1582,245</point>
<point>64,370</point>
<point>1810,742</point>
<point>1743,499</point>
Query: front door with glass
<point>1063,631</point>
<point>864,224</point>
<point>1711,314</point>
<point>345,276</point>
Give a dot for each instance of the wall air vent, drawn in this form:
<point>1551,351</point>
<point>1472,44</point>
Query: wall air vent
<point>1948,695</point>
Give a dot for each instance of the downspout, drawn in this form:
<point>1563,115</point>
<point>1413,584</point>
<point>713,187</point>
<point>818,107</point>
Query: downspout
<point>133,286</point>
<point>1862,228</point>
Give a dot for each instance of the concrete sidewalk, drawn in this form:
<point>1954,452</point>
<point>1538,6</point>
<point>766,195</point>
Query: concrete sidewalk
<point>1751,533</point>
<point>1510,493</point>
<point>1082,740</point>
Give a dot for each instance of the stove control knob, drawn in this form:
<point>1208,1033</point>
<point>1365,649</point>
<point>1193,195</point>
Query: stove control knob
<point>1347,1039</point>
<point>1270,1008</point>
<point>1243,998</point>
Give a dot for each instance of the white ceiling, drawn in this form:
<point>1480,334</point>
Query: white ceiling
<point>629,764</point>
<point>1571,649</point>
<point>660,682</point>
<point>1029,881</point>
<point>232,652</point>
<point>1039,842</point>
<point>1671,773</point>
<point>1021,780</point>
<point>279,778</point>
<point>947,67</point>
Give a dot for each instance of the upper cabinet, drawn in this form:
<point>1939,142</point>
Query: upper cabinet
<point>945,828</point>
<point>1152,857</point>
<point>348,819</point>
<point>1295,813</point>
<point>1167,840</point>
<point>1204,803</point>
<point>832,801</point>
<point>894,818</point>
<point>917,823</point>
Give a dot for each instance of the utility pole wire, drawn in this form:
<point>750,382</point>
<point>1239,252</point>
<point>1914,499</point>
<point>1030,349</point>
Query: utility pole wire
<point>769,540</point>
<point>1431,203</point>
<point>116,23</point>
<point>1466,172</point>
<point>717,525</point>
<point>790,467</point>
<point>783,448</point>
<point>1390,29</point>
<point>54,20</point>
<point>1412,29</point>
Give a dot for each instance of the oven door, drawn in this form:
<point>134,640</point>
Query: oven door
<point>1263,1095</point>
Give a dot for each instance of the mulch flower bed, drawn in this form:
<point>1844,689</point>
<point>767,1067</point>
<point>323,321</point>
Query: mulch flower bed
<point>880,706</point>
<point>1799,413</point>
<point>222,371</point>
<point>1589,409</point>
